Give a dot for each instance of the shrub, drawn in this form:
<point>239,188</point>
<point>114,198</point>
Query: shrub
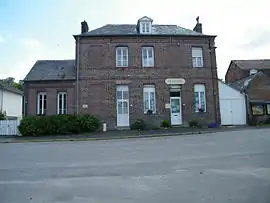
<point>166,124</point>
<point>3,115</point>
<point>252,121</point>
<point>193,123</point>
<point>58,124</point>
<point>267,121</point>
<point>139,124</point>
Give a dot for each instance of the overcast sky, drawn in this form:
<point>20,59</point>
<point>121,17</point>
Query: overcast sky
<point>31,30</point>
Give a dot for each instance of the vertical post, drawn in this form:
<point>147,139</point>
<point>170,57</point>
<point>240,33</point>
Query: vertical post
<point>77,73</point>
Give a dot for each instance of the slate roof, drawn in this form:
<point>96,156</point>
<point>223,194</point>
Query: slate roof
<point>243,84</point>
<point>9,88</point>
<point>253,64</point>
<point>44,70</point>
<point>131,30</point>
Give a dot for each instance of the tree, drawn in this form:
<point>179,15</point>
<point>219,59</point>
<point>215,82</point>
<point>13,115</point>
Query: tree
<point>11,81</point>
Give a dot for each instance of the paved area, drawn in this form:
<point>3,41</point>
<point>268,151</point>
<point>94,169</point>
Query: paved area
<point>221,167</point>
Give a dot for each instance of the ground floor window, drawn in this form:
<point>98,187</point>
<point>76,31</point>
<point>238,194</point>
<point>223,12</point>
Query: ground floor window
<point>257,109</point>
<point>200,98</point>
<point>61,103</point>
<point>41,103</point>
<point>149,98</point>
<point>268,109</point>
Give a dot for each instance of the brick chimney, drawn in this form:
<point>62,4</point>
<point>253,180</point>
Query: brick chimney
<point>84,27</point>
<point>198,26</point>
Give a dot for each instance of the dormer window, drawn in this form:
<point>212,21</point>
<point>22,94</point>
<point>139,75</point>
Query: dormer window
<point>145,28</point>
<point>145,25</point>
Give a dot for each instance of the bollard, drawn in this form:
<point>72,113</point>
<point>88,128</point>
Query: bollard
<point>104,127</point>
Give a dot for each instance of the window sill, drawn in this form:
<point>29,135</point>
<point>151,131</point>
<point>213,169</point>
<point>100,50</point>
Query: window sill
<point>121,66</point>
<point>198,66</point>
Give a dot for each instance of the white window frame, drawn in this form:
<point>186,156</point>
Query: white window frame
<point>147,90</point>
<point>41,110</point>
<point>145,27</point>
<point>197,57</point>
<point>149,61</point>
<point>200,89</point>
<point>60,98</point>
<point>120,61</point>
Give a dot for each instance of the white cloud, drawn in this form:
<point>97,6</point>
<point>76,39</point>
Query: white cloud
<point>1,39</point>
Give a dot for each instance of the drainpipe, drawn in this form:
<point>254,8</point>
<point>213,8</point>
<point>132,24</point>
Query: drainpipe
<point>213,79</point>
<point>247,106</point>
<point>77,73</point>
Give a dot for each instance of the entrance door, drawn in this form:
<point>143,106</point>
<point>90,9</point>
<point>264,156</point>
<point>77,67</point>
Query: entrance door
<point>176,116</point>
<point>122,106</point>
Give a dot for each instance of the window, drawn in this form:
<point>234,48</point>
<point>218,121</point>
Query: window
<point>200,100</point>
<point>148,56</point>
<point>197,57</point>
<point>149,98</point>
<point>257,109</point>
<point>61,103</point>
<point>268,109</point>
<point>145,27</point>
<point>122,57</point>
<point>41,103</point>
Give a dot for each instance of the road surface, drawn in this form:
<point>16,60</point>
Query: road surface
<point>231,167</point>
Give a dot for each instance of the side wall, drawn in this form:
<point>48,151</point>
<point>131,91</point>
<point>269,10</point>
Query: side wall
<point>12,104</point>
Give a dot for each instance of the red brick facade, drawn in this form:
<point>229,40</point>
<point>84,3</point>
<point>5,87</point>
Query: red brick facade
<point>99,76</point>
<point>235,73</point>
<point>31,90</point>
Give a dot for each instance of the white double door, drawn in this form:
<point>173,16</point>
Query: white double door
<point>122,105</point>
<point>176,111</point>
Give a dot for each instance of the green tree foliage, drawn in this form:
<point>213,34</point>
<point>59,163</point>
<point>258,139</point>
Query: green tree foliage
<point>11,81</point>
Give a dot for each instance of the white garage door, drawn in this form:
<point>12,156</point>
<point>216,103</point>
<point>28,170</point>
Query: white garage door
<point>233,111</point>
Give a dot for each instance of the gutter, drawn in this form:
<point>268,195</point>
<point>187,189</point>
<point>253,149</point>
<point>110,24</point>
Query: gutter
<point>77,73</point>
<point>247,106</point>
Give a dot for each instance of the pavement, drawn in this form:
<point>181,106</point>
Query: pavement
<point>118,134</point>
<point>226,167</point>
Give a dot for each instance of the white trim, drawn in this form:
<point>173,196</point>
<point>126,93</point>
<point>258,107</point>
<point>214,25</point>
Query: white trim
<point>200,89</point>
<point>147,90</point>
<point>120,61</point>
<point>148,61</point>
<point>41,110</point>
<point>197,57</point>
<point>63,101</point>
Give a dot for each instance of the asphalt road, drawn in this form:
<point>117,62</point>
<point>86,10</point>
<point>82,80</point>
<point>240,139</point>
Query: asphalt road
<point>224,167</point>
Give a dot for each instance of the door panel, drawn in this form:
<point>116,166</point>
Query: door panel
<point>176,114</point>
<point>122,101</point>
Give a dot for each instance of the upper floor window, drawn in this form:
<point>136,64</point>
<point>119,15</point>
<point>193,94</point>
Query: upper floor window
<point>145,27</point>
<point>197,57</point>
<point>149,98</point>
<point>41,103</point>
<point>200,99</point>
<point>61,103</point>
<point>122,57</point>
<point>148,56</point>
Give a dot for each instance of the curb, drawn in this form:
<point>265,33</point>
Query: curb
<point>107,138</point>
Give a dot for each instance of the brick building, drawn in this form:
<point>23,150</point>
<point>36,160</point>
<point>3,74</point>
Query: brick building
<point>239,69</point>
<point>132,71</point>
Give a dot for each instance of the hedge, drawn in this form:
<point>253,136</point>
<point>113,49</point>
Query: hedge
<point>58,125</point>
